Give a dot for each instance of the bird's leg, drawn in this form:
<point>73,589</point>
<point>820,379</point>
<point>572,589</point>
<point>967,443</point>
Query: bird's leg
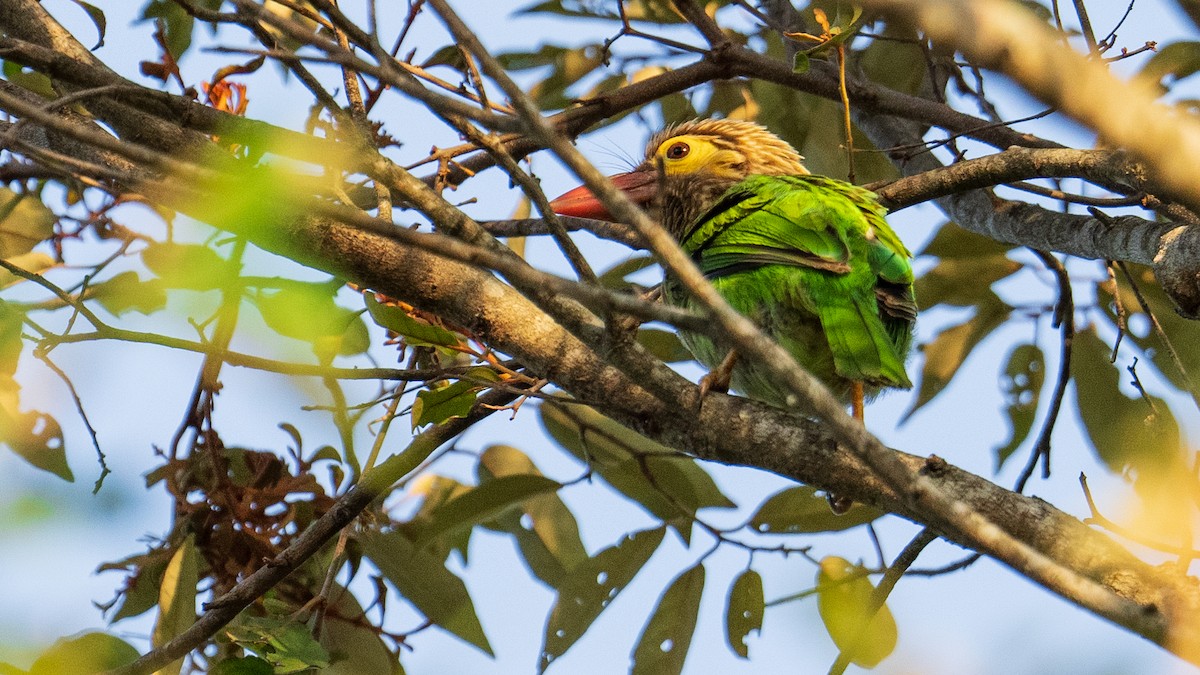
<point>837,503</point>
<point>718,378</point>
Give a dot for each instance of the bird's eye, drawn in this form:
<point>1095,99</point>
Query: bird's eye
<point>678,151</point>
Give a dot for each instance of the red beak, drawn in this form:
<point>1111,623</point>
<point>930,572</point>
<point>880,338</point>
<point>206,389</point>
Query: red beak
<point>640,186</point>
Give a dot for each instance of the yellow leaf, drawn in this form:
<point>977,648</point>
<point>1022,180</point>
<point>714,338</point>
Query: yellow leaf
<point>844,601</point>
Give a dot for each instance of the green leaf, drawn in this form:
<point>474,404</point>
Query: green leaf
<point>1177,60</point>
<point>34,262</point>
<point>663,344</point>
<point>482,503</point>
<point>1179,330</point>
<point>844,600</point>
<point>550,543</point>
<point>425,582</point>
<point>83,655</point>
<point>950,348</point>
<point>668,635</point>
<point>126,292</point>
<point>98,20</point>
<point>30,80</point>
<point>801,62</point>
<point>1128,433</point>
<point>955,242</point>
<point>308,312</point>
<point>744,611</point>
<point>141,590</point>
<point>177,598</point>
<point>589,588</point>
<point>434,406</point>
<point>615,277</point>
<point>800,509</point>
<point>1022,384</point>
<point>190,266</point>
<point>285,643</point>
<point>24,222</point>
<point>245,665</point>
<point>415,332</point>
<point>177,21</point>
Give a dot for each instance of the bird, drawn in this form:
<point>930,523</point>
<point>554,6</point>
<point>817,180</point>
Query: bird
<point>810,259</point>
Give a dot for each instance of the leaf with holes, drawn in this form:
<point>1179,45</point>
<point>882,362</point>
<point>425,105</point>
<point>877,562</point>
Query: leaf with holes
<point>667,637</point>
<point>550,543</point>
<point>1022,384</point>
<point>801,509</point>
<point>589,588</point>
<point>483,502</point>
<point>744,611</point>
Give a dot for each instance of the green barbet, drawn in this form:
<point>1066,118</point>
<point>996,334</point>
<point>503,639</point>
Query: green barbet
<point>810,259</point>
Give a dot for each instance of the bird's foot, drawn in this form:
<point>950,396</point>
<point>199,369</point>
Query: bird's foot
<point>718,378</point>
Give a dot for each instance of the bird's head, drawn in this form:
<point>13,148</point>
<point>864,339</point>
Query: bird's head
<point>688,166</point>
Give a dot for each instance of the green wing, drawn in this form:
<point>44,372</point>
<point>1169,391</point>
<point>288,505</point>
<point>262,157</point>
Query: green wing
<point>845,266</point>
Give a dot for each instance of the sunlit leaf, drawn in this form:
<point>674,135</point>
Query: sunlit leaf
<point>801,509</point>
<point>844,600</point>
<point>84,655</point>
<point>589,588</point>
<point>1022,385</point>
<point>665,641</point>
<point>425,582</point>
<point>34,436</point>
<point>24,222</point>
<point>550,541</point>
<point>744,611</point>
<point>177,598</point>
<point>483,502</point>
<point>399,321</point>
<point>34,262</point>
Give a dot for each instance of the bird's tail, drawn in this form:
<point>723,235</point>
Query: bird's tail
<point>862,349</point>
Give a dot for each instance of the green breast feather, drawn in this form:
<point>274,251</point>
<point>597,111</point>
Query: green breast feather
<point>813,261</point>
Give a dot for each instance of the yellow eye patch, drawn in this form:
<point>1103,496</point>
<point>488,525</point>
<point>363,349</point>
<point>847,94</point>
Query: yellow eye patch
<point>686,154</point>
